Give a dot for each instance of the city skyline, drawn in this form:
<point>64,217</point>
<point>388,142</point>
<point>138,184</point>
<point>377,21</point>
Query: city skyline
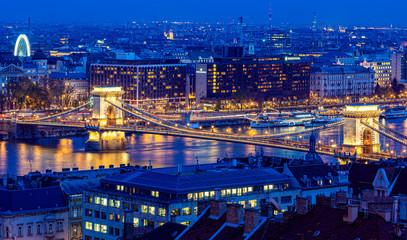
<point>294,12</point>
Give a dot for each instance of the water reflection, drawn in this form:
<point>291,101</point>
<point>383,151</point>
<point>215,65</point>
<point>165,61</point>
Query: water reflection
<point>22,157</point>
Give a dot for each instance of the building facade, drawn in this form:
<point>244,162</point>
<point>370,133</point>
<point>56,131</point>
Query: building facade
<point>144,84</point>
<point>283,78</point>
<point>341,82</point>
<point>382,65</point>
<point>77,82</point>
<point>30,216</point>
<point>152,199</point>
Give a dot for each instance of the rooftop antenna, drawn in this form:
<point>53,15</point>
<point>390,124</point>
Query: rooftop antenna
<point>270,15</point>
<point>314,26</point>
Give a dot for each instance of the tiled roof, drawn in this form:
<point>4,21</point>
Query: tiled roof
<point>77,186</point>
<point>327,223</point>
<point>39,199</point>
<point>168,231</point>
<point>361,176</point>
<point>313,172</point>
<point>199,181</point>
<point>204,228</point>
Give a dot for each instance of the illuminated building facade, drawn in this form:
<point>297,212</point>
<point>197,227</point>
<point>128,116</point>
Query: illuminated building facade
<point>149,199</point>
<point>403,67</point>
<point>144,84</point>
<point>283,78</point>
<point>382,65</point>
<point>341,82</point>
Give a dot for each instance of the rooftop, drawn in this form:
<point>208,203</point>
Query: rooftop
<point>199,181</point>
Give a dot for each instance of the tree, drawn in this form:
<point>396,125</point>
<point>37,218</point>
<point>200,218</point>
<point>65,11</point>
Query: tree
<point>241,97</point>
<point>27,94</point>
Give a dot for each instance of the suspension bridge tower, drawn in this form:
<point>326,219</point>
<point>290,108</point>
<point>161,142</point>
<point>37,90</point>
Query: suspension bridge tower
<point>357,137</point>
<point>105,115</point>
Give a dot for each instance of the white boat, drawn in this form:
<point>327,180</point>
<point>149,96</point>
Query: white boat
<point>396,112</point>
<point>321,121</point>
<point>294,119</point>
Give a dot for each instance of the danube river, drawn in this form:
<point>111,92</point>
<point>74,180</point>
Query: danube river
<point>21,157</point>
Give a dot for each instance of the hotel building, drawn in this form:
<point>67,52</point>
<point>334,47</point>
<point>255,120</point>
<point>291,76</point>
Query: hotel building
<point>277,78</point>
<point>144,83</point>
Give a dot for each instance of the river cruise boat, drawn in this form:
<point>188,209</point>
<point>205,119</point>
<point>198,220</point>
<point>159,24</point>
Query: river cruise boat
<point>291,120</point>
<point>395,112</point>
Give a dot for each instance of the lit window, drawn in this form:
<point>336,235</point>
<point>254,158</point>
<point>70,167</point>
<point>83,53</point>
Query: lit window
<point>97,227</point>
<point>88,225</point>
<point>136,222</point>
<point>186,211</point>
<point>97,200</point>
<point>143,208</point>
<point>253,203</point>
<point>103,228</point>
<point>111,203</point>
<point>161,212</point>
<point>151,210</point>
<point>189,196</point>
<point>117,203</point>
<point>103,201</point>
<point>250,189</point>
<point>266,187</point>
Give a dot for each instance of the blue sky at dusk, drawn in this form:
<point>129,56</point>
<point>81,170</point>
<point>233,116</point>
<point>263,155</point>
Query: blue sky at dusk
<point>292,11</point>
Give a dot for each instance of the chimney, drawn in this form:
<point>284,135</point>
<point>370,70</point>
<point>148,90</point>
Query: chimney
<point>218,207</point>
<point>128,233</point>
<point>251,219</point>
<point>384,213</point>
<point>234,213</point>
<point>301,204</point>
<point>352,213</point>
<point>395,209</point>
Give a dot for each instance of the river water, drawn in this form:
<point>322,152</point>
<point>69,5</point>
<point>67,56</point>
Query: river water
<point>21,157</point>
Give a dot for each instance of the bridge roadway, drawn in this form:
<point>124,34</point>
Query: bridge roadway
<point>243,139</point>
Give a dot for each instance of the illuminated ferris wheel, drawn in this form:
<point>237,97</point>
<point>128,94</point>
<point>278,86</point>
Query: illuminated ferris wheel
<point>22,47</point>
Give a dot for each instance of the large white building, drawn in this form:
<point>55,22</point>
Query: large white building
<point>341,82</point>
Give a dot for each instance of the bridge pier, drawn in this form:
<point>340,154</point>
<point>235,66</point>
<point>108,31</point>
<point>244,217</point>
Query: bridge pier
<point>106,140</point>
<point>105,114</point>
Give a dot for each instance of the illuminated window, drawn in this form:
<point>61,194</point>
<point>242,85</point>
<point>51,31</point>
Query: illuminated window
<point>111,203</point>
<point>103,201</point>
<point>136,222</point>
<point>143,208</point>
<point>161,212</point>
<point>253,203</point>
<point>151,210</point>
<point>186,211</point>
<point>88,225</point>
<point>155,193</point>
<point>97,200</point>
<point>96,227</point>
<point>117,203</point>
<point>103,228</point>
<point>250,189</point>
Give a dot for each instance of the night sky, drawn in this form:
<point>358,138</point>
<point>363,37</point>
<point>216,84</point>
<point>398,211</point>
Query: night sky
<point>346,12</point>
